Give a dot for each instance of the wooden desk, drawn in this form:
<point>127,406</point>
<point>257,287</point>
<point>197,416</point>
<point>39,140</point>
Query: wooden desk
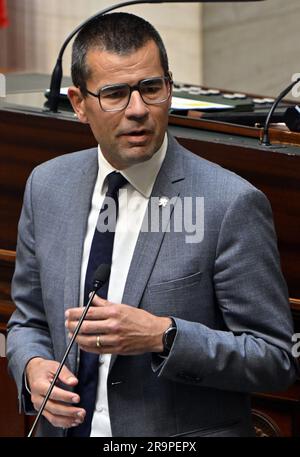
<point>30,136</point>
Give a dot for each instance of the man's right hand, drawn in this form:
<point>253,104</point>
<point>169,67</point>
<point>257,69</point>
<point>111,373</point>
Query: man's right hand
<point>59,409</point>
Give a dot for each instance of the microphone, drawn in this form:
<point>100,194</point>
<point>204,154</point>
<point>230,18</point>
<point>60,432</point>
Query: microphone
<point>100,277</point>
<point>56,77</point>
<point>292,118</point>
<point>266,137</point>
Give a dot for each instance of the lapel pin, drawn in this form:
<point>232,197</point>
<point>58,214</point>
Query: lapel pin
<point>163,201</point>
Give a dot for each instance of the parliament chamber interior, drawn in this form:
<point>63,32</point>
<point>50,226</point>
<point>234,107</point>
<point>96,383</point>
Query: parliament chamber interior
<point>226,127</point>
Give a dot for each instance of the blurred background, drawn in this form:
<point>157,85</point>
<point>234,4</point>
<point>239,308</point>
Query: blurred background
<point>252,47</point>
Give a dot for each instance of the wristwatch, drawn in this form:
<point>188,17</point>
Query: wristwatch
<point>168,338</point>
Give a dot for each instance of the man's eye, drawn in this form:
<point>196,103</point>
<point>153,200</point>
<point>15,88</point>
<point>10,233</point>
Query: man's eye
<point>152,89</point>
<point>114,93</point>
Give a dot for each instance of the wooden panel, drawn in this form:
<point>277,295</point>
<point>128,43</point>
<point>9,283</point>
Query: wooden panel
<point>7,263</point>
<point>11,422</point>
<point>281,416</point>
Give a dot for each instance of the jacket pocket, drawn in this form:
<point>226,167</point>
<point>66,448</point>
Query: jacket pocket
<point>176,283</point>
<point>178,298</point>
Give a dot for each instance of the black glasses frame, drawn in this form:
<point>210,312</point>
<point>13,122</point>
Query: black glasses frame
<point>168,79</point>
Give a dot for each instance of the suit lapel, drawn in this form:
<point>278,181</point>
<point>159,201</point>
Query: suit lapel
<point>81,188</point>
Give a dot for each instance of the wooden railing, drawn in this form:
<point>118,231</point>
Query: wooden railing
<point>7,265</point>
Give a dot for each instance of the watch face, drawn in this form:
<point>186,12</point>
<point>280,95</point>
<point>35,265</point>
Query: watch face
<point>169,337</point>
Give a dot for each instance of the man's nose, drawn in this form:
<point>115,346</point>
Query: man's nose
<point>136,106</point>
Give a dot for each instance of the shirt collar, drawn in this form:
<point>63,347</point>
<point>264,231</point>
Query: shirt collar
<point>141,176</point>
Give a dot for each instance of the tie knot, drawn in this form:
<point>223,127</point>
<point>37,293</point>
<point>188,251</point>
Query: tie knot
<point>115,182</point>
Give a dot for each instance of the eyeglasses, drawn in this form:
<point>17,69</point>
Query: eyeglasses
<point>116,97</point>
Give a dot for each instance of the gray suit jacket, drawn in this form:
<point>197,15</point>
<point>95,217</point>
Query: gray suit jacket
<point>226,293</point>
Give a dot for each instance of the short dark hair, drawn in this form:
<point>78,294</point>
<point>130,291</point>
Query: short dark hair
<point>119,33</point>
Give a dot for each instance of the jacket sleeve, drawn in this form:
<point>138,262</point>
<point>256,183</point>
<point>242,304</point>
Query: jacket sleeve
<point>28,334</point>
<point>253,353</point>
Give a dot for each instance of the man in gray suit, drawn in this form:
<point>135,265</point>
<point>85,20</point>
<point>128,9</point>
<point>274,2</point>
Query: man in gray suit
<point>197,312</point>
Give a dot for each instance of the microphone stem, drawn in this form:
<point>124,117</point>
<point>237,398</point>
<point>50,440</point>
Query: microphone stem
<point>42,407</point>
<point>95,16</point>
<point>57,73</point>
<point>266,139</point>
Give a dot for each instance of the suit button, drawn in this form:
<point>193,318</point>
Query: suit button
<point>116,383</point>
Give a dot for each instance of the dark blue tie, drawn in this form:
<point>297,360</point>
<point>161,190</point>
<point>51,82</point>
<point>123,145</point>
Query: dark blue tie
<point>100,253</point>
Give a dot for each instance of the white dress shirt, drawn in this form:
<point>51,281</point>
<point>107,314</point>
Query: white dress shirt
<point>133,201</point>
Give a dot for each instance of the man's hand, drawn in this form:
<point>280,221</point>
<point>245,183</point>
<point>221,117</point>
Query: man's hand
<point>58,410</point>
<point>120,329</point>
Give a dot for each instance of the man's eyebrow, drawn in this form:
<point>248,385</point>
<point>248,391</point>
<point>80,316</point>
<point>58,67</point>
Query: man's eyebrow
<point>146,78</point>
<point>115,85</point>
<point>111,85</point>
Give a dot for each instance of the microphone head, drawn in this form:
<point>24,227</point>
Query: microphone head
<point>101,275</point>
<point>292,118</point>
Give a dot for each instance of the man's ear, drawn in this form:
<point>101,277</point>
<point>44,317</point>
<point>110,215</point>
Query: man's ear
<point>171,78</point>
<point>78,103</point>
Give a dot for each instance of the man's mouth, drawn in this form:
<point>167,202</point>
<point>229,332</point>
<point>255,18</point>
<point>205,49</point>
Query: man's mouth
<point>137,137</point>
<point>137,132</point>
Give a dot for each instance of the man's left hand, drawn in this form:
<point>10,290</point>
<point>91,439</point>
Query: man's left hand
<point>111,328</point>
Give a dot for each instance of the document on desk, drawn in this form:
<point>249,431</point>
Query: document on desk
<point>179,103</point>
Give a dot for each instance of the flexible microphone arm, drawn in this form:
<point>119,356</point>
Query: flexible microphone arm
<point>101,276</point>
<point>57,73</point>
<point>266,137</point>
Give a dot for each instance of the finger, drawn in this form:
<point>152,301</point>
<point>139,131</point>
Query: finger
<point>57,393</point>
<point>103,350</point>
<point>37,399</point>
<point>89,327</point>
<point>67,377</point>
<point>108,344</point>
<point>58,408</point>
<point>61,421</point>
<point>62,395</point>
<point>62,409</point>
<point>94,313</point>
<point>99,301</point>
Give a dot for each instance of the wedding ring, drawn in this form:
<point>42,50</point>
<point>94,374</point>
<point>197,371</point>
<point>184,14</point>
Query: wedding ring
<point>98,342</point>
